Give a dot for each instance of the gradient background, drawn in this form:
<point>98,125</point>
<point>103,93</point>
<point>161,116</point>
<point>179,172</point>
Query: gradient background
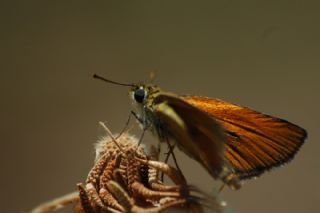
<point>261,54</point>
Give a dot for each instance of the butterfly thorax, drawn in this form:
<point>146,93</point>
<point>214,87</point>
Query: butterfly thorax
<point>145,98</point>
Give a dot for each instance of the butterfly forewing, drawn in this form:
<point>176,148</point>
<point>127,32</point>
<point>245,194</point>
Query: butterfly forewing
<point>197,134</point>
<point>255,142</point>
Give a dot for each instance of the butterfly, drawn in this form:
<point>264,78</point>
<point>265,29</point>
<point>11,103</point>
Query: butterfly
<point>231,142</point>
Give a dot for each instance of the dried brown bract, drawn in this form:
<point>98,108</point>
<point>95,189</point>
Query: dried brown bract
<point>125,179</point>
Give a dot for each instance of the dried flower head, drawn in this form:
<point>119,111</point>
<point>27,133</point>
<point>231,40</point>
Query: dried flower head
<point>124,178</point>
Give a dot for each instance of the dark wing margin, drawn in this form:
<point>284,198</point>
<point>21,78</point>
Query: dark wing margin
<point>255,142</point>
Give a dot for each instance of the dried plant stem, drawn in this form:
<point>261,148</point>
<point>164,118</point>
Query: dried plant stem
<point>57,203</point>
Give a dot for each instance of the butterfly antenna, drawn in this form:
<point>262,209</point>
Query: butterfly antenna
<point>112,82</point>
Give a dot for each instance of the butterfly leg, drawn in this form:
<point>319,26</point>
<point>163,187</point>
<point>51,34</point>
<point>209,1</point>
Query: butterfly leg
<point>141,137</point>
<point>145,128</point>
<point>126,125</point>
<point>165,161</point>
<point>170,152</point>
<point>137,117</point>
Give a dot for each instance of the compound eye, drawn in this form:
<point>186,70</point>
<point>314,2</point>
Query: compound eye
<point>139,95</point>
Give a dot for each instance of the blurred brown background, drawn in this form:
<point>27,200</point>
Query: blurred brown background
<point>261,54</point>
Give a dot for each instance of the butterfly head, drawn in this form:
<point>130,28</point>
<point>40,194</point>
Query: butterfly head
<point>141,93</point>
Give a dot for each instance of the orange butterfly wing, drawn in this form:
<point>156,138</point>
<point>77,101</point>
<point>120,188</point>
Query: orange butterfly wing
<point>255,142</point>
